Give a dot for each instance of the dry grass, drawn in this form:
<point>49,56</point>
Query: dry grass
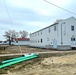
<point>60,65</point>
<point>53,65</point>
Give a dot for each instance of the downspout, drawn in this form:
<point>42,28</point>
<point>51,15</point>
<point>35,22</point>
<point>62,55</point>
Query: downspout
<point>62,33</point>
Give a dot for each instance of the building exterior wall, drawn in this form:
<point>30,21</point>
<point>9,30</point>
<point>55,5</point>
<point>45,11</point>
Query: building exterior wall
<point>56,39</point>
<point>48,37</point>
<point>21,43</point>
<point>67,33</point>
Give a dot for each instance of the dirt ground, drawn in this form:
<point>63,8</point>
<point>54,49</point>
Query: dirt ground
<point>55,65</point>
<point>23,49</point>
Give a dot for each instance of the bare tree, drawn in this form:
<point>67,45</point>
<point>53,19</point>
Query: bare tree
<point>10,35</point>
<point>23,34</point>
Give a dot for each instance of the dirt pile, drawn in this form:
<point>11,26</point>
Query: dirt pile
<point>56,64</point>
<point>60,65</point>
<point>68,59</point>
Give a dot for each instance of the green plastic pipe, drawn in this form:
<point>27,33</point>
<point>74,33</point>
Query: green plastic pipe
<point>10,60</point>
<point>17,61</point>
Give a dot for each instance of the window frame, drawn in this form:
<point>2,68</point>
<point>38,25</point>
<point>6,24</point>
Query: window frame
<point>41,41</point>
<point>54,27</point>
<point>72,39</point>
<point>72,28</point>
<point>49,30</point>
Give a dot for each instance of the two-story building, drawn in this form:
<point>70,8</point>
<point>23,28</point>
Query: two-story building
<point>60,35</point>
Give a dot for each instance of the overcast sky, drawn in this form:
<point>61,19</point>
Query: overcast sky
<point>32,15</point>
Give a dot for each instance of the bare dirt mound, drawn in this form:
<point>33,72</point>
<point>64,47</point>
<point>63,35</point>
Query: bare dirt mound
<point>67,59</point>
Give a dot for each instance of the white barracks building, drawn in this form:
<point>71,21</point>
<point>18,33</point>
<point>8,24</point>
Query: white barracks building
<point>60,35</point>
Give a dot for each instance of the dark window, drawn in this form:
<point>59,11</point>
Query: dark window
<point>41,33</point>
<point>49,29</point>
<point>41,40</point>
<point>72,39</point>
<point>38,33</point>
<point>54,28</point>
<point>48,39</point>
<point>38,41</point>
<point>72,28</point>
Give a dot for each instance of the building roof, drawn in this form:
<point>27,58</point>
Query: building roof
<point>44,28</point>
<point>55,23</point>
<point>22,39</point>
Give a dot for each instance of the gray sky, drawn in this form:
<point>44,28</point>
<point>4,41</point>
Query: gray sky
<point>32,15</point>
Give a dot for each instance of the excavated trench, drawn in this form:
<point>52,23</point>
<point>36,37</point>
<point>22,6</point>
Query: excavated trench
<point>30,63</point>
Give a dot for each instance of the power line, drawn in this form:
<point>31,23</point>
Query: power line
<point>11,21</point>
<point>8,12</point>
<point>60,7</point>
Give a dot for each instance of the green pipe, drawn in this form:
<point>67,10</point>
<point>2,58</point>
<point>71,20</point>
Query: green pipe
<point>17,61</point>
<point>10,60</point>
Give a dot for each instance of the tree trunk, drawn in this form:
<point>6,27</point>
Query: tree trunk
<point>9,41</point>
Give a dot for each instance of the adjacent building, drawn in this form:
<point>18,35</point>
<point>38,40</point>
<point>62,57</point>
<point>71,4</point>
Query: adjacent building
<point>60,35</point>
<point>21,41</point>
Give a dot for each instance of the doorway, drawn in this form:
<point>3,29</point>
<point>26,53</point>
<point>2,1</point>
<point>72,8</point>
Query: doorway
<point>54,43</point>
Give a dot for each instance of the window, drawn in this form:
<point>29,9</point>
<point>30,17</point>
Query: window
<point>41,40</point>
<point>49,30</point>
<point>38,33</point>
<point>54,28</point>
<point>48,39</point>
<point>72,39</point>
<point>72,28</point>
<point>41,33</point>
<point>38,41</point>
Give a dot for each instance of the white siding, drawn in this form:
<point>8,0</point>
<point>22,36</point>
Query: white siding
<point>54,38</point>
<point>69,32</point>
<point>46,36</point>
<point>21,43</point>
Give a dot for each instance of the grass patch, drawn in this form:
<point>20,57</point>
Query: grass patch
<point>1,48</point>
<point>3,71</point>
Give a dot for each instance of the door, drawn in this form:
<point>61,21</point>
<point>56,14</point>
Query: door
<point>73,42</point>
<point>54,43</point>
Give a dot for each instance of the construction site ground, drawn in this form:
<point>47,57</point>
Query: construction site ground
<point>49,62</point>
